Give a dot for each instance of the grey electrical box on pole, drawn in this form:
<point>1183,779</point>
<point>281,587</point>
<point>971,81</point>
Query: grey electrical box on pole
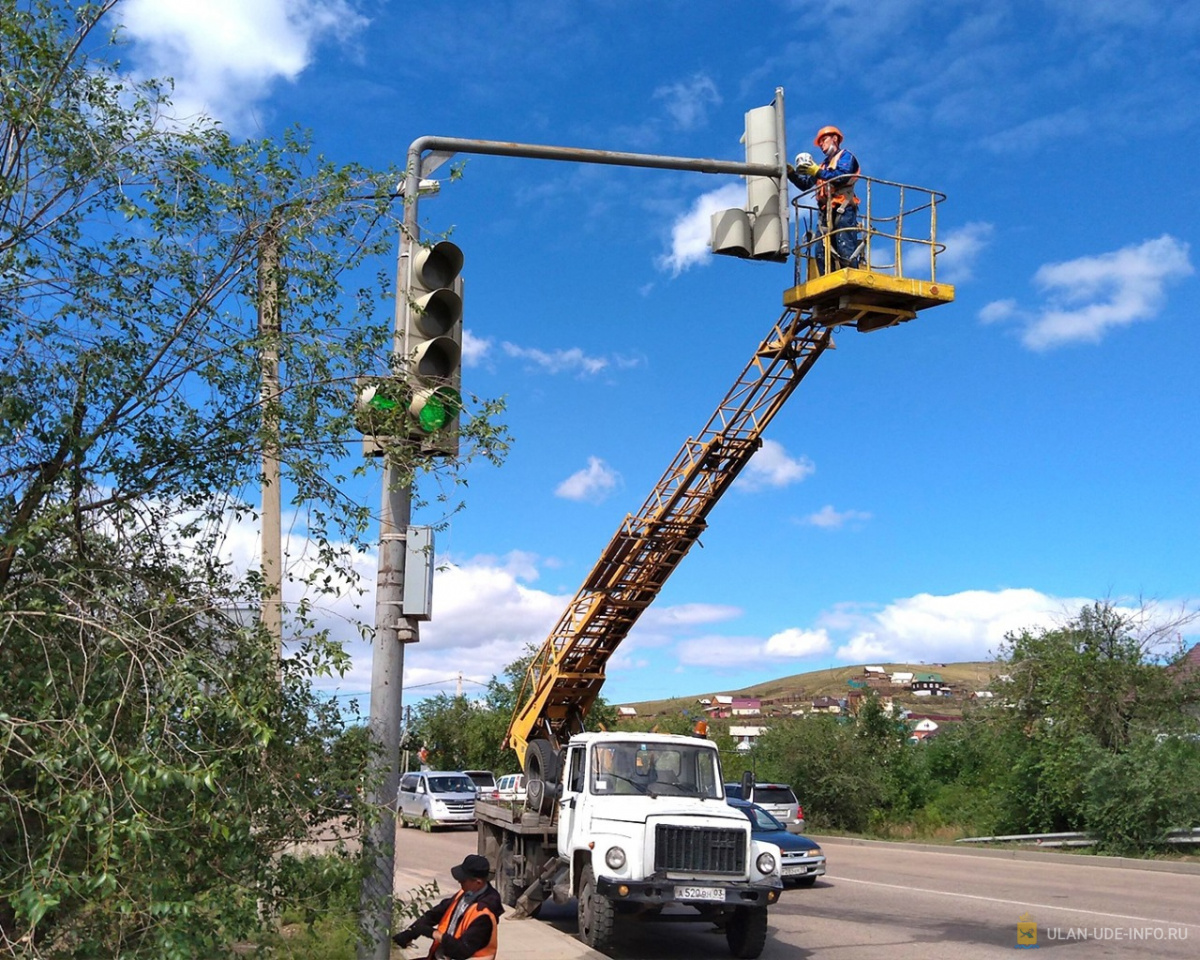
<point>418,573</point>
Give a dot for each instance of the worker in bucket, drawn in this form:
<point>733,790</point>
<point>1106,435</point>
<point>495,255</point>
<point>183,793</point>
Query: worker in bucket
<point>463,925</point>
<point>834,177</point>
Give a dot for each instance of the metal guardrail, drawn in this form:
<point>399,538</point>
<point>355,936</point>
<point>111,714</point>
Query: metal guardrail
<point>1073,839</point>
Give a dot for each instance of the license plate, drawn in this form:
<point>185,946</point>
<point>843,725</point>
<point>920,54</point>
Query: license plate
<point>792,871</point>
<point>699,893</point>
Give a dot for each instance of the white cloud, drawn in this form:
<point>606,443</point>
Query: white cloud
<point>686,614</point>
<point>557,361</point>
<point>794,642</point>
<point>661,626</point>
<point>829,519</point>
<point>690,234</point>
<point>1088,297</point>
<point>923,629</point>
<point>485,614</point>
<point>224,55</point>
<point>998,310</point>
<point>772,468</point>
<point>688,101</point>
<point>963,626</point>
<point>963,247</point>
<point>474,349</point>
<point>719,650</point>
<point>593,483</point>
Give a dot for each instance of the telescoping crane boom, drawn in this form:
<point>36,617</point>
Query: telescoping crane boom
<point>566,674</point>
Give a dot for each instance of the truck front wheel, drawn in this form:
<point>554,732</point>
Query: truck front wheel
<point>746,932</point>
<point>596,914</point>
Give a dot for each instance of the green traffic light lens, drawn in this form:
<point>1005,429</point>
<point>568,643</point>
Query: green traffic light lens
<point>433,415</point>
<point>439,409</point>
<point>380,402</point>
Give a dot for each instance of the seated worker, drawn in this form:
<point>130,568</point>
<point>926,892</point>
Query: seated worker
<point>463,925</point>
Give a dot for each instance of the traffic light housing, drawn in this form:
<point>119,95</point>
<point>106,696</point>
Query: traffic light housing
<point>433,346</point>
<point>758,231</point>
<point>381,412</point>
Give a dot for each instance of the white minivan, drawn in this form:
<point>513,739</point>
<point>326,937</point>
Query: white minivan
<point>444,798</point>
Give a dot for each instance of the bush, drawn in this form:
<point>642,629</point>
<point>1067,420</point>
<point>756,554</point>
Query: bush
<point>319,886</point>
<point>1132,800</point>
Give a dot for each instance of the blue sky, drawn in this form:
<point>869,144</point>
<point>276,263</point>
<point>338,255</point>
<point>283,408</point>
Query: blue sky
<point>992,465</point>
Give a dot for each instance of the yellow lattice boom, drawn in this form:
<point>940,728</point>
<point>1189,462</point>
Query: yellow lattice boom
<point>565,676</point>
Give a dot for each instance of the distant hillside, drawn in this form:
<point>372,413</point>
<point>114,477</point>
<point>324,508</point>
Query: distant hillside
<point>796,692</point>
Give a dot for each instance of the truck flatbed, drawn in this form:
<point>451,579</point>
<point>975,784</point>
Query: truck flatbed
<point>515,817</point>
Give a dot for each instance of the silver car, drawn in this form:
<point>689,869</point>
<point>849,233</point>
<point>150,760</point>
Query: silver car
<point>441,798</point>
<point>777,799</point>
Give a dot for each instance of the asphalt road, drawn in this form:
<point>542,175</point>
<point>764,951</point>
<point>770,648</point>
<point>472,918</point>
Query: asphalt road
<point>891,902</point>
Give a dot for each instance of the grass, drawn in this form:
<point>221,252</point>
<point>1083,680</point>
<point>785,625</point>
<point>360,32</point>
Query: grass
<point>795,690</point>
<point>332,938</point>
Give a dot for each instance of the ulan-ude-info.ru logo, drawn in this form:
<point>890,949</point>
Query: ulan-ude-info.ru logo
<point>1026,932</point>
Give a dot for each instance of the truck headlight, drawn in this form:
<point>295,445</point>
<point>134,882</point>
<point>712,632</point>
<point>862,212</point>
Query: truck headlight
<point>765,863</point>
<point>615,858</point>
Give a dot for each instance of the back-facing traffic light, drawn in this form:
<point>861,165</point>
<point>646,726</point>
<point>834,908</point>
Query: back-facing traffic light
<point>758,230</point>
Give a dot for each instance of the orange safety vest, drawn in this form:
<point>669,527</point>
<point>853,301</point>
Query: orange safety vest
<point>473,912</point>
<point>839,190</point>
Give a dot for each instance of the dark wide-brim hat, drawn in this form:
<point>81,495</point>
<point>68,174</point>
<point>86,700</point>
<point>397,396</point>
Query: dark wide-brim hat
<point>473,865</point>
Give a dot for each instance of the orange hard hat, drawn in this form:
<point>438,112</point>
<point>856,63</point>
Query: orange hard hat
<point>825,131</point>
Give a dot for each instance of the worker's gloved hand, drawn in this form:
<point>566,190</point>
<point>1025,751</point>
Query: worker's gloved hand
<point>806,165</point>
<point>403,938</point>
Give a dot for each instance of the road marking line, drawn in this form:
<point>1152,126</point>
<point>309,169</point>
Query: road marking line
<point>1018,903</point>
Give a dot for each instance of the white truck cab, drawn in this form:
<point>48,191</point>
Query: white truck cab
<point>640,823</point>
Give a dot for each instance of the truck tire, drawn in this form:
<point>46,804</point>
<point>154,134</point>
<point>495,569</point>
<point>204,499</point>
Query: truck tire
<point>746,932</point>
<point>542,763</point>
<point>506,884</point>
<point>596,914</point>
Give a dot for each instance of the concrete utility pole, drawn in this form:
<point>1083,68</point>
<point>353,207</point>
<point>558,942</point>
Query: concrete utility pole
<point>269,328</point>
<point>392,631</point>
<point>392,627</point>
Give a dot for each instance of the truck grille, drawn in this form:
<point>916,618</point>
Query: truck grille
<point>699,849</point>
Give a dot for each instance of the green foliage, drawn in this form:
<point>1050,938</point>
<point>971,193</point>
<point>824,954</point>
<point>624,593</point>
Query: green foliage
<point>319,886</point>
<point>1132,800</point>
<point>1093,729</point>
<point>464,734</point>
<point>155,756</point>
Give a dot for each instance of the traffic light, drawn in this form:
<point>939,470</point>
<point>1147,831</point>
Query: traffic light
<point>759,230</point>
<point>381,412</point>
<point>433,344</point>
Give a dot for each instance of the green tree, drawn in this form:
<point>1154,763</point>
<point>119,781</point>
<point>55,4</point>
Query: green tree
<point>1081,702</point>
<point>465,734</point>
<point>837,780</point>
<point>155,756</point>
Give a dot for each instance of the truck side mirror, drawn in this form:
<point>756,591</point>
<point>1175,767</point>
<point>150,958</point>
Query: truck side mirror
<point>748,785</point>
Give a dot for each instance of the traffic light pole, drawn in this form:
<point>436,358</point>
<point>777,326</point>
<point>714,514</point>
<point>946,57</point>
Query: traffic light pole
<point>392,628</point>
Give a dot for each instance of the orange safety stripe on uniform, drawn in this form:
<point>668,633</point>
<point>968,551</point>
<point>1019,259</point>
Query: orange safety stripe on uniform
<point>825,188</point>
<point>470,915</point>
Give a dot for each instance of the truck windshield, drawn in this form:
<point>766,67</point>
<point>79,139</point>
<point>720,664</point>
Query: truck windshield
<point>658,769</point>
